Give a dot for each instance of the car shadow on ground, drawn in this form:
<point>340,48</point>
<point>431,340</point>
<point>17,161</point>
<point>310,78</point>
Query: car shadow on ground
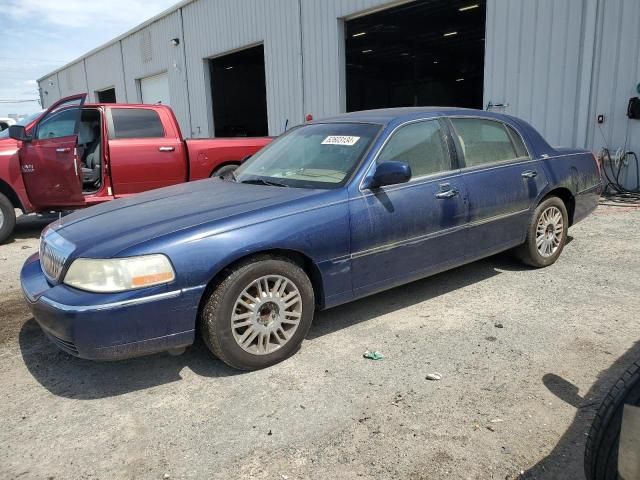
<point>71,377</point>
<point>566,460</point>
<point>30,226</point>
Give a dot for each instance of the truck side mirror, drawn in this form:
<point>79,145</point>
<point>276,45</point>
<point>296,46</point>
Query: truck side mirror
<point>18,132</point>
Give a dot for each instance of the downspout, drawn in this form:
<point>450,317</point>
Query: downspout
<point>302,89</point>
<point>587,62</point>
<point>86,78</point>
<point>186,73</point>
<point>124,76</point>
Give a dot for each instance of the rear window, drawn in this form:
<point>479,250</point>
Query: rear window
<point>136,123</point>
<point>485,141</point>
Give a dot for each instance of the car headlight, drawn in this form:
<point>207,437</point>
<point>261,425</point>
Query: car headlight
<point>119,274</point>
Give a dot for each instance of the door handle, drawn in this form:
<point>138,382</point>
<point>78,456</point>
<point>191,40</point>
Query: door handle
<point>529,174</point>
<point>166,149</point>
<point>447,194</point>
<point>63,150</point>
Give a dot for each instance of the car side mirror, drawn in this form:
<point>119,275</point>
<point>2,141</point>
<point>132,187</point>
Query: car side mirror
<point>18,132</point>
<point>389,173</point>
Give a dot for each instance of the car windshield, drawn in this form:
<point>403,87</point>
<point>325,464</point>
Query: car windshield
<point>23,121</point>
<point>321,155</point>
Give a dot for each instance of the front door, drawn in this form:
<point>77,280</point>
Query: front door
<point>49,162</point>
<point>406,231</point>
<point>502,182</point>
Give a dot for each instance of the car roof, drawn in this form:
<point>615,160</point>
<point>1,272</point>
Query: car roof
<point>387,116</point>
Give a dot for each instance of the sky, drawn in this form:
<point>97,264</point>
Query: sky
<point>38,36</point>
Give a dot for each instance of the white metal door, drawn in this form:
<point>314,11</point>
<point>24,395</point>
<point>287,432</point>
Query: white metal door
<point>155,89</point>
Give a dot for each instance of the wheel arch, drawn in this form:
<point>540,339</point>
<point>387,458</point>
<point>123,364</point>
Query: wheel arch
<point>10,193</point>
<point>224,164</point>
<point>566,196</point>
<point>302,260</point>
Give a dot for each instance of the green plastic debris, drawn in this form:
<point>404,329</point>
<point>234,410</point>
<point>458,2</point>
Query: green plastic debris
<point>375,355</point>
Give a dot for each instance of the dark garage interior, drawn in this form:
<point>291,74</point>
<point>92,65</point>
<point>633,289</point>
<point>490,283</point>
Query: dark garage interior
<point>107,96</point>
<point>426,52</point>
<point>239,94</point>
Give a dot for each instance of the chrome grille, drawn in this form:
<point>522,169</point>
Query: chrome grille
<point>54,252</point>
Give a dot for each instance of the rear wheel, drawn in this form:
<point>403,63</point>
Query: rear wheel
<point>546,235</point>
<point>225,171</point>
<point>7,218</point>
<point>259,314</point>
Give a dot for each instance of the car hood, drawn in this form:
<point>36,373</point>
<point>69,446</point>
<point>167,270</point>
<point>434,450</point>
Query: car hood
<point>107,229</point>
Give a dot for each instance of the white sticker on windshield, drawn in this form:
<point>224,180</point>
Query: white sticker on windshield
<point>340,140</point>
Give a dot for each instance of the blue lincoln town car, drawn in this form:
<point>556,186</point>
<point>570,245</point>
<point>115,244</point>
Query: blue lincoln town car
<point>331,211</point>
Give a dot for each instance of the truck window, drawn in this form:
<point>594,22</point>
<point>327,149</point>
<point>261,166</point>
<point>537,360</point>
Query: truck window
<point>57,125</point>
<point>136,123</point>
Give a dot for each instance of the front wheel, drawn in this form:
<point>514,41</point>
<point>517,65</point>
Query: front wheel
<point>546,235</point>
<point>7,218</point>
<point>259,314</point>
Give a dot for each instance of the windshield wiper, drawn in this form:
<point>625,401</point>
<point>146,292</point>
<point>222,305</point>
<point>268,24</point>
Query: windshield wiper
<point>261,181</point>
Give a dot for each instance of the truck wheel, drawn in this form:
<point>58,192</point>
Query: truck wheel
<point>601,451</point>
<point>7,218</point>
<point>546,235</point>
<point>225,171</point>
<point>259,314</point>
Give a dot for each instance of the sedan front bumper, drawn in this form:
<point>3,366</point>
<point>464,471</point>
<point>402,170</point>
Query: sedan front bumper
<point>100,326</point>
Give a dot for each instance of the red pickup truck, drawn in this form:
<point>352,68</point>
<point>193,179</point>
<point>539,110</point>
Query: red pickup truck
<point>75,155</point>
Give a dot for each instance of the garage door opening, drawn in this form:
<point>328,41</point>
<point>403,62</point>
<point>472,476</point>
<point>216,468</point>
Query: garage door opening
<point>417,54</point>
<point>108,95</point>
<point>239,94</point>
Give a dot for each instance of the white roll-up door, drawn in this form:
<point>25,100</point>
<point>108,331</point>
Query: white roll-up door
<point>155,89</point>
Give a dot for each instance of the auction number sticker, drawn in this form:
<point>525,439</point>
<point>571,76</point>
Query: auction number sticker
<point>340,140</point>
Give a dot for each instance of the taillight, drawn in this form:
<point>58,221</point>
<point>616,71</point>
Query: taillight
<point>598,164</point>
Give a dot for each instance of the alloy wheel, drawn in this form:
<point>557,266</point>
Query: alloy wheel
<point>549,231</point>
<point>266,314</point>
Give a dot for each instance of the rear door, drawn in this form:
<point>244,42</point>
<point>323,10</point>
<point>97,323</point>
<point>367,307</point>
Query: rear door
<point>405,231</point>
<point>502,181</point>
<point>49,161</point>
<point>146,150</point>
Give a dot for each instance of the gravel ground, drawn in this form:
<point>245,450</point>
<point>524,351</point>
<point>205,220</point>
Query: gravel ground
<point>524,354</point>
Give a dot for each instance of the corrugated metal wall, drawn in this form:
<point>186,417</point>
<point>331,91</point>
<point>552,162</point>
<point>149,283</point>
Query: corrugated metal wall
<point>556,63</point>
<point>104,70</point>
<point>149,52</point>
<point>323,49</point>
<point>215,28</point>
<point>560,63</point>
<point>533,60</point>
<point>72,79</point>
<point>615,76</point>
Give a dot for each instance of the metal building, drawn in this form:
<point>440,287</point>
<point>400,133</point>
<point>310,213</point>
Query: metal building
<point>248,67</point>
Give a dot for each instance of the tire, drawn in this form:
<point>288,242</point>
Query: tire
<point>7,218</point>
<point>225,171</point>
<point>601,451</point>
<point>554,235</point>
<point>270,319</point>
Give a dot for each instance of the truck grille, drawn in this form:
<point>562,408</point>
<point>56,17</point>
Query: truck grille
<point>54,252</point>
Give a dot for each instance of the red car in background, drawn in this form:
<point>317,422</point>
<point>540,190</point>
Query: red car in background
<point>76,155</point>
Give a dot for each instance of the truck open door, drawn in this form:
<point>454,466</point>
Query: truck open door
<point>48,157</point>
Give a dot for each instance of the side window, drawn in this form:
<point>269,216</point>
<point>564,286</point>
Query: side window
<point>61,121</point>
<point>484,141</point>
<point>419,144</point>
<point>136,123</point>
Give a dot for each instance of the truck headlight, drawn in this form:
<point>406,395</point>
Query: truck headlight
<point>119,274</point>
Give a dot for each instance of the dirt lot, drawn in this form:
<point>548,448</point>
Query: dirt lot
<point>525,355</point>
